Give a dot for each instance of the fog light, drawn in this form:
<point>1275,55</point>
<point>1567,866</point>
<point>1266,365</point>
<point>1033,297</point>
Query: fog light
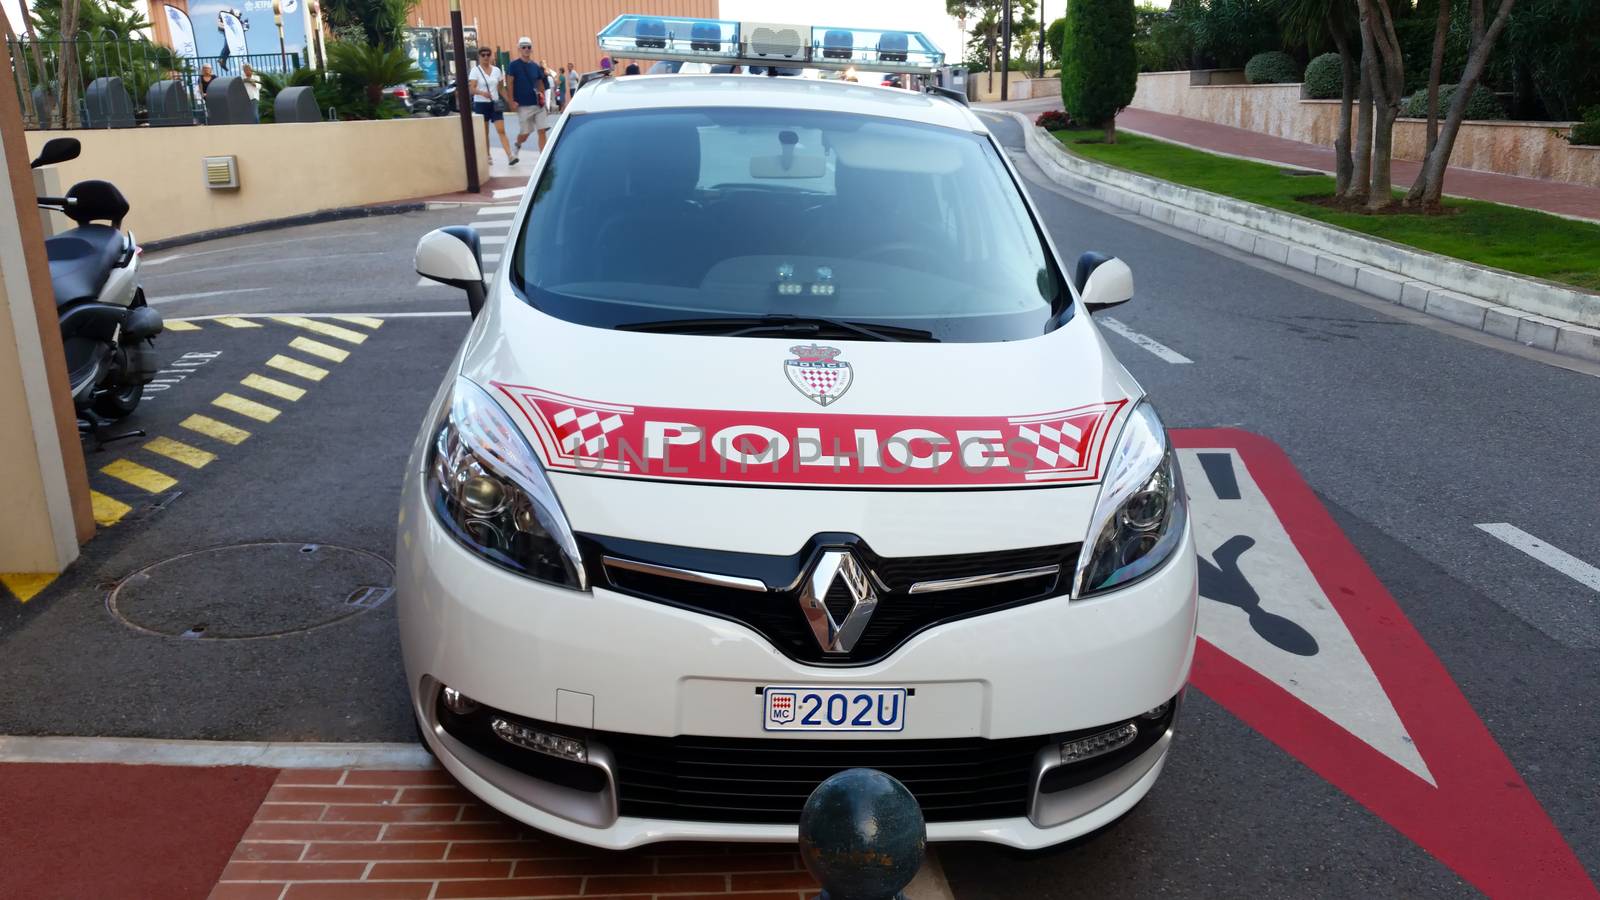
<point>1158,712</point>
<point>458,703</point>
<point>544,742</point>
<point>1098,744</point>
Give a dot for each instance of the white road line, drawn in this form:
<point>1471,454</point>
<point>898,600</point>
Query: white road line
<point>491,239</point>
<point>235,249</point>
<point>497,210</point>
<point>147,751</point>
<point>173,298</point>
<point>501,225</point>
<point>1148,343</point>
<point>1555,558</point>
<point>503,193</point>
<point>491,257</point>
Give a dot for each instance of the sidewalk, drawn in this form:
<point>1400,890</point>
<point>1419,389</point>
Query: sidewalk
<point>132,832</point>
<point>1558,197</point>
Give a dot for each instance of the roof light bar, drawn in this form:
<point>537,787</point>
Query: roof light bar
<point>761,43</point>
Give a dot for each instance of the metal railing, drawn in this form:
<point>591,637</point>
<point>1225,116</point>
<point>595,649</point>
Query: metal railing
<point>53,76</point>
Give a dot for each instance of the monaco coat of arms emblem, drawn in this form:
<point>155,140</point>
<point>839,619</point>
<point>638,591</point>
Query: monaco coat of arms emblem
<point>818,373</point>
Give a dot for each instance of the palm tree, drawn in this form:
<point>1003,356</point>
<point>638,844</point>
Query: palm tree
<point>374,68</point>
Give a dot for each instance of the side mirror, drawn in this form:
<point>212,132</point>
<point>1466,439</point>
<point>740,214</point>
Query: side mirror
<point>452,256</point>
<point>1103,281</point>
<point>57,150</point>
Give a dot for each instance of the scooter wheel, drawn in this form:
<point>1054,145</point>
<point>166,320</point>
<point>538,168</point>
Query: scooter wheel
<point>119,404</point>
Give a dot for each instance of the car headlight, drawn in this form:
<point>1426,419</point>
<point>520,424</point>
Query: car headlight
<point>1139,518</point>
<point>489,489</point>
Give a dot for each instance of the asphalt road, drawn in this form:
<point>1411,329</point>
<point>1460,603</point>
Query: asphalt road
<point>1410,431</point>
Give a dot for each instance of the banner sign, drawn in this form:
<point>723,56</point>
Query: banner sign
<point>182,33</point>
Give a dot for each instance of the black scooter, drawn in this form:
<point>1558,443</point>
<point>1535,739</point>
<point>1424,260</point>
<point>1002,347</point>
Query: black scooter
<point>107,329</point>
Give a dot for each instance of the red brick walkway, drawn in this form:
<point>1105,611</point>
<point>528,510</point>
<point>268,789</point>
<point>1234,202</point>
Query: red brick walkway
<point>330,834</point>
<point>1551,196</point>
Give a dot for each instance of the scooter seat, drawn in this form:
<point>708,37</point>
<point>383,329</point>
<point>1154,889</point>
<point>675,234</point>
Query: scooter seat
<point>81,260</point>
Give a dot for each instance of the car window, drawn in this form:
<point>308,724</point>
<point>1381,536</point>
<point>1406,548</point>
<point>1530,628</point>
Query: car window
<point>646,216</point>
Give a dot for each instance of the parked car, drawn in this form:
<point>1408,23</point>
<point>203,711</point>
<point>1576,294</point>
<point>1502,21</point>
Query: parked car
<point>400,92</point>
<point>783,441</point>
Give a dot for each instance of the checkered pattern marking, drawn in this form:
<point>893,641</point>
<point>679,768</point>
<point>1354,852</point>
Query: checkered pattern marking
<point>1056,445</point>
<point>820,380</point>
<point>584,430</point>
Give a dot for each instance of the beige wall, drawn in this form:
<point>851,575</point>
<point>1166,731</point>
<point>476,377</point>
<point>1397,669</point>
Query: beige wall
<point>1023,86</point>
<point>1528,149</point>
<point>284,169</point>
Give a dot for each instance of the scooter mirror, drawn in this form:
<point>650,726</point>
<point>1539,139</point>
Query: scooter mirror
<point>57,150</point>
<point>452,256</point>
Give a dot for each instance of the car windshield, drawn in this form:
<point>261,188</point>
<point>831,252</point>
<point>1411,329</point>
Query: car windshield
<point>726,221</point>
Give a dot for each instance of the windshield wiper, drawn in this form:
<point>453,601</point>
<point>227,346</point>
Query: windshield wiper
<point>801,326</point>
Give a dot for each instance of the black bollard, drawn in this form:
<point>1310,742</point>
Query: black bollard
<point>862,836</point>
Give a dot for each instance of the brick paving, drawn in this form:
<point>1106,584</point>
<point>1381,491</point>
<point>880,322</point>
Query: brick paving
<point>332,834</point>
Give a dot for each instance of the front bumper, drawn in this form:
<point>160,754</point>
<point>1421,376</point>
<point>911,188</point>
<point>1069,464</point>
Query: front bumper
<point>609,663</point>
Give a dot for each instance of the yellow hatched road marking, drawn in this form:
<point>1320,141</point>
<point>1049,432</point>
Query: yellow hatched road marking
<point>236,322</point>
<point>318,348</point>
<point>368,321</point>
<point>24,585</point>
<point>139,476</point>
<point>258,411</point>
<point>181,326</point>
<point>178,451</point>
<point>296,367</point>
<point>347,335</point>
<point>108,511</point>
<point>273,386</point>
<point>210,427</point>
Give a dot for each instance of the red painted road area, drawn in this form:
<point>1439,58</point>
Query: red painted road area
<point>109,831</point>
<point>1481,820</point>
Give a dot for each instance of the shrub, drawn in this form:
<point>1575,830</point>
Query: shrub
<point>1272,67</point>
<point>1588,131</point>
<point>1100,69</point>
<point>1483,105</point>
<point>1324,78</point>
<point>1053,120</point>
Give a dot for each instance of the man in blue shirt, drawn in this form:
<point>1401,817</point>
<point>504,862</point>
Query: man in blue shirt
<point>527,93</point>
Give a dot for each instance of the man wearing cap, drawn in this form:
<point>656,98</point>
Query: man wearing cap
<point>527,93</point>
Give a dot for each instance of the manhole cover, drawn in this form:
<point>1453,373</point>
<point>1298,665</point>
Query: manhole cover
<point>252,590</point>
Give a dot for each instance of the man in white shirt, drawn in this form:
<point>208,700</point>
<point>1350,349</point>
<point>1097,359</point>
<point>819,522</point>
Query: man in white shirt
<point>486,83</point>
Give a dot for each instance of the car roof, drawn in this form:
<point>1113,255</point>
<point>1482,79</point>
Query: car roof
<point>637,92</point>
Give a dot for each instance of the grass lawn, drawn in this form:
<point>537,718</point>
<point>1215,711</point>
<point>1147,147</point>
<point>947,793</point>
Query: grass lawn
<point>1517,240</point>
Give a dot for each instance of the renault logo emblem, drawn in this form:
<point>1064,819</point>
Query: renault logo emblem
<point>837,636</point>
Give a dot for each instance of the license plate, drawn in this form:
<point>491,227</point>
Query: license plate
<point>833,709</point>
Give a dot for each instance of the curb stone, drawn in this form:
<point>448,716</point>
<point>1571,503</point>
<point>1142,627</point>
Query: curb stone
<point>1531,312</point>
<point>312,218</point>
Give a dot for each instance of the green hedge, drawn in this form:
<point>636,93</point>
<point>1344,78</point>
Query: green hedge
<point>1272,67</point>
<point>1325,78</point>
<point>1483,105</point>
<point>1587,132</point>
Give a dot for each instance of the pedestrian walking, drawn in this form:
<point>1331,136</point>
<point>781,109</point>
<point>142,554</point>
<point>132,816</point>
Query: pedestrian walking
<point>572,80</point>
<point>527,90</point>
<point>632,69</point>
<point>488,85</point>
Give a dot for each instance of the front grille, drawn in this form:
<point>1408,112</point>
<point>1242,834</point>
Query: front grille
<point>768,781</point>
<point>777,616</point>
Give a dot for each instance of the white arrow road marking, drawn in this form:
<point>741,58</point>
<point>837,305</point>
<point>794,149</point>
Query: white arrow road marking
<point>1145,341</point>
<point>1272,615</point>
<point>498,210</point>
<point>1555,558</point>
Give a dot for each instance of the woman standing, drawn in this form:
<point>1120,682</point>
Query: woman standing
<point>488,84</point>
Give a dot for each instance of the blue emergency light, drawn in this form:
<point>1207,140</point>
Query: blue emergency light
<point>719,41</point>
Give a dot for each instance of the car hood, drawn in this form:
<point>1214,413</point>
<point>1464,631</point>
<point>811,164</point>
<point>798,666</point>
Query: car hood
<point>634,428</point>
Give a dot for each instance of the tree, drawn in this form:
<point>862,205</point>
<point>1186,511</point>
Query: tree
<point>1384,71</point>
<point>1099,67</point>
<point>374,68</point>
<point>1314,23</point>
<point>1429,186</point>
<point>382,20</point>
<point>1052,39</point>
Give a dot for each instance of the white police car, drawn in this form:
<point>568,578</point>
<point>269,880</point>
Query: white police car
<point>783,443</point>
